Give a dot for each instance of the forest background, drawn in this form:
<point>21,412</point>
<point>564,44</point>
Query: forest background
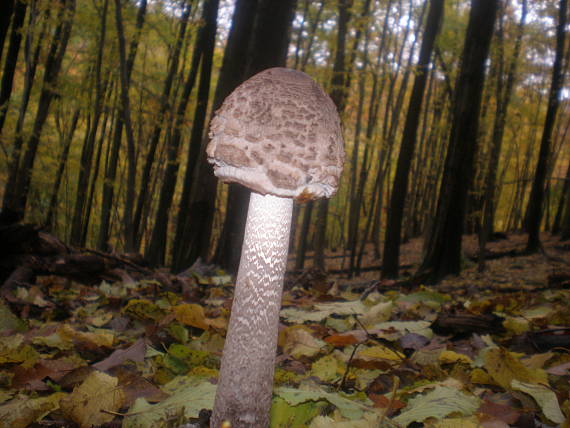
<point>454,116</point>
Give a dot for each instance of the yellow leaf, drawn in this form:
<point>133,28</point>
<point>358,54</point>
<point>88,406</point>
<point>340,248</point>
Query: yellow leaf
<point>298,341</point>
<point>380,352</point>
<point>144,310</point>
<point>451,357</point>
<point>537,361</point>
<point>517,325</point>
<point>480,376</point>
<point>191,314</point>
<point>23,411</point>
<point>93,402</point>
<point>378,313</point>
<point>504,367</point>
<point>219,323</point>
<point>100,338</point>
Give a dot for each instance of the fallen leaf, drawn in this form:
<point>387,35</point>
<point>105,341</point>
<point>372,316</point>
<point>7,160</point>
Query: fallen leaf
<point>439,403</point>
<point>93,402</point>
<point>23,411</point>
<point>298,341</point>
<point>504,367</point>
<point>544,397</point>
<point>191,314</point>
<point>136,352</point>
<point>350,409</point>
<point>345,339</point>
<point>188,397</point>
<point>451,357</point>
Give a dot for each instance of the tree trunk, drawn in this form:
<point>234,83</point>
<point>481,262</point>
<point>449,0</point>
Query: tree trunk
<point>444,250</point>
<point>203,52</point>
<point>311,37</point>
<point>31,62</point>
<point>268,48</point>
<point>17,188</point>
<point>6,11</point>
<point>67,138</point>
<point>86,160</point>
<point>338,94</point>
<point>126,118</point>
<point>534,209</point>
<point>503,101</point>
<point>395,214</point>
<point>11,59</point>
<point>165,102</point>
<point>378,85</point>
<point>113,159</point>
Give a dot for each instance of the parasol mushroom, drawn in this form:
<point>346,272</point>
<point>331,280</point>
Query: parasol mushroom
<point>278,134</point>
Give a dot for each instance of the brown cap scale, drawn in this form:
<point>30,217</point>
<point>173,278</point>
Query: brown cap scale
<point>279,134</point>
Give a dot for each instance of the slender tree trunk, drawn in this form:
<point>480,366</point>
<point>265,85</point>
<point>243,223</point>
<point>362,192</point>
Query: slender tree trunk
<point>31,62</point>
<point>300,36</point>
<point>503,101</point>
<point>17,188</point>
<point>352,208</point>
<point>113,158</point>
<point>97,162</point>
<point>67,138</point>
<point>6,11</point>
<point>156,250</point>
<point>534,208</point>
<point>412,227</point>
<point>11,59</point>
<point>378,85</point>
<point>157,130</point>
<point>444,249</point>
<point>561,211</point>
<point>126,116</point>
<point>338,95</point>
<point>86,160</point>
<point>391,258</point>
<point>311,37</point>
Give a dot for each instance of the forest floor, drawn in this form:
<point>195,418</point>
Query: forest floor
<point>508,266</point>
<point>487,349</point>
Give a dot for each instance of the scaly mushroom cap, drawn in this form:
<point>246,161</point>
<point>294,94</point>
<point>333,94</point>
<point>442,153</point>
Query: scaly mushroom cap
<point>278,133</point>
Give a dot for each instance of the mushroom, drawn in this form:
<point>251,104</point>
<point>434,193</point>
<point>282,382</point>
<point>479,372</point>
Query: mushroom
<point>278,134</point>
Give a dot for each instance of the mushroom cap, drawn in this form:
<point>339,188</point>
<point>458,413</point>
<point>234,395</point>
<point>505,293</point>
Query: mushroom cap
<point>278,133</point>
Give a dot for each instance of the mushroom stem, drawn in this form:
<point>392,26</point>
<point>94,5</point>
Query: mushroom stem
<point>245,385</point>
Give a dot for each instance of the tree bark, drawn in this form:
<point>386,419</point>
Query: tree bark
<point>503,101</point>
<point>338,94</point>
<point>113,159</point>
<point>17,188</point>
<point>444,249</point>
<point>157,130</point>
<point>535,203</point>
<point>126,118</point>
<point>400,189</point>
<point>31,62</point>
<point>6,11</point>
<point>267,48</point>
<point>67,138</point>
<point>11,58</point>
<point>156,250</point>
<point>86,161</point>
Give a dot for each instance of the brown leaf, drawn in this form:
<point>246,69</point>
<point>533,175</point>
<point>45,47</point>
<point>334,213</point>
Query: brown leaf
<point>135,352</point>
<point>345,339</point>
<point>502,412</point>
